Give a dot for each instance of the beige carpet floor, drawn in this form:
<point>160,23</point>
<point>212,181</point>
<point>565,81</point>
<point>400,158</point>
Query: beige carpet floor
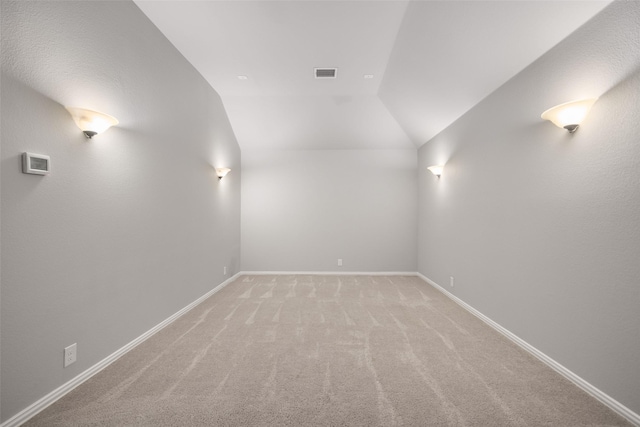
<point>329,351</point>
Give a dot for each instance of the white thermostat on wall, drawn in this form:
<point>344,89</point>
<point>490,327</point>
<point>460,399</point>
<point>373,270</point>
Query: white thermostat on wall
<point>37,164</point>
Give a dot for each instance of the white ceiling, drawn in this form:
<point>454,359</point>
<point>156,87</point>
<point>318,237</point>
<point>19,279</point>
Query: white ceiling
<point>431,62</point>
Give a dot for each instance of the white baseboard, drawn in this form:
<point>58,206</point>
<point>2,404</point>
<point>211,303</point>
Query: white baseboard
<point>584,385</point>
<point>37,407</point>
<point>328,273</point>
<point>52,397</point>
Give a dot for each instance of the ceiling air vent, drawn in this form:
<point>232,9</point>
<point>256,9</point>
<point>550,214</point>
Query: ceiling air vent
<point>326,73</point>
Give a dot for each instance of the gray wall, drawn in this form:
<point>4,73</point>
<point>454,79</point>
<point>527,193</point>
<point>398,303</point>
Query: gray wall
<point>302,210</point>
<point>130,227</point>
<point>540,228</point>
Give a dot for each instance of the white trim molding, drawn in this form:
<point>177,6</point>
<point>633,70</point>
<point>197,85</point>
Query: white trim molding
<point>328,273</point>
<point>41,404</point>
<point>58,393</point>
<point>616,406</point>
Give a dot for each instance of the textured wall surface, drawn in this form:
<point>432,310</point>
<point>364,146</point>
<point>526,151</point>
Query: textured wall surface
<point>131,226</point>
<point>540,228</point>
<point>302,210</point>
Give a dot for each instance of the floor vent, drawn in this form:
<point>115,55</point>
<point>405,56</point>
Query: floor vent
<point>326,73</point>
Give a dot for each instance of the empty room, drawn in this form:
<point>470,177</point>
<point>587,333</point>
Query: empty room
<point>319,212</point>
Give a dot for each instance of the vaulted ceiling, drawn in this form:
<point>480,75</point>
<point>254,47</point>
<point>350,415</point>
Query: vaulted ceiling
<point>426,62</point>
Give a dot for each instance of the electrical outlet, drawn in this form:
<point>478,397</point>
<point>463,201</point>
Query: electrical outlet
<point>70,354</point>
<point>225,270</point>
<point>451,281</point>
<point>339,262</point>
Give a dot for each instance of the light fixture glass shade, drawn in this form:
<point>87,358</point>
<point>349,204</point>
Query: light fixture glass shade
<point>222,172</point>
<point>570,114</point>
<point>436,170</point>
<point>91,122</point>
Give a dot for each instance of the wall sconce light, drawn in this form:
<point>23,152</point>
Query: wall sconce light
<point>436,170</point>
<point>222,172</point>
<point>570,114</point>
<point>91,122</point>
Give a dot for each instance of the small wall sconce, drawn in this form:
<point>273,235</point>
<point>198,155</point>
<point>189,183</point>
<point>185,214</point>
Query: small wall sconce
<point>91,122</point>
<point>570,114</point>
<point>222,172</point>
<point>436,170</point>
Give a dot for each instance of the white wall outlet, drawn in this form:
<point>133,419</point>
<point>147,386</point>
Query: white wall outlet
<point>70,354</point>
<point>451,281</point>
<point>225,270</point>
<point>339,262</point>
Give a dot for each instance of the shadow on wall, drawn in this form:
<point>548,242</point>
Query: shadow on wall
<point>38,136</point>
<point>629,80</point>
